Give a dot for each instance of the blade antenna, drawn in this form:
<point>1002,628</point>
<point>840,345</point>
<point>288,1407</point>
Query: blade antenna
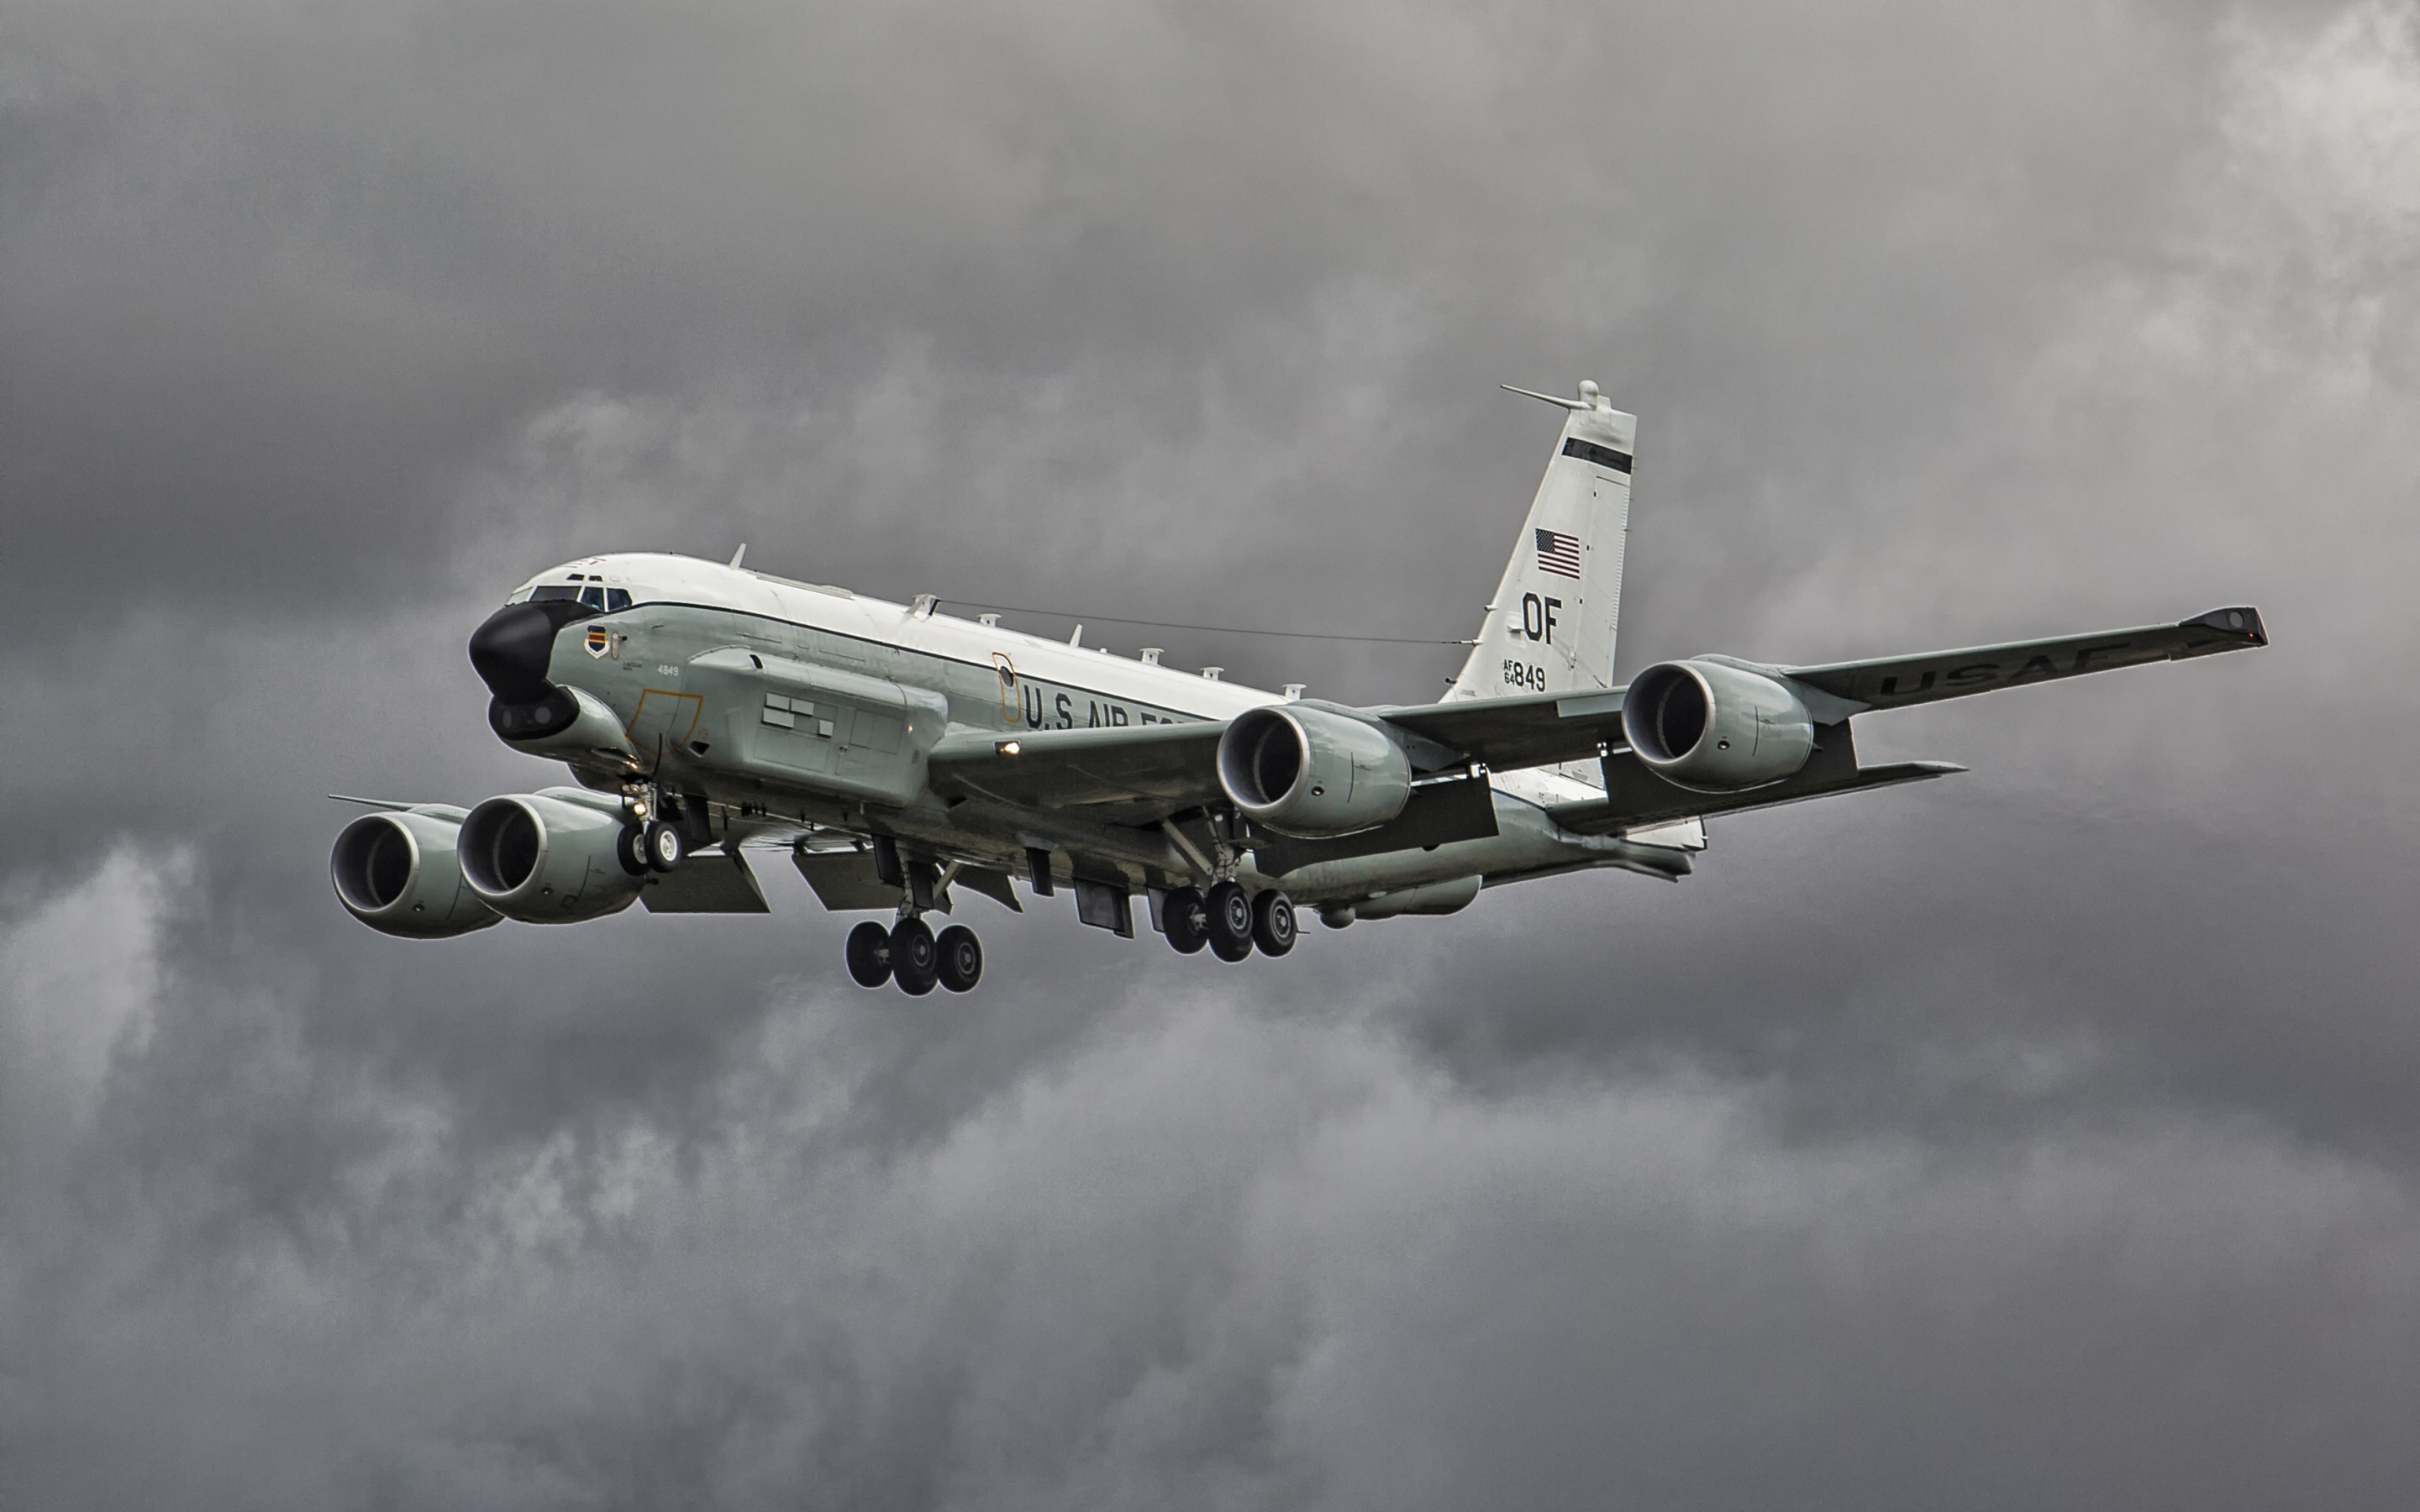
<point>1550,398</point>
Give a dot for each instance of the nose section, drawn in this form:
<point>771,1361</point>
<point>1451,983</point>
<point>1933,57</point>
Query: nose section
<point>512,651</point>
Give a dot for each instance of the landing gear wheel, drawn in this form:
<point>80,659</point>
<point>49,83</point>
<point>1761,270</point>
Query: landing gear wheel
<point>1187,917</point>
<point>1273,922</point>
<point>915,962</point>
<point>960,958</point>
<point>665,847</point>
<point>869,954</point>
<point>630,849</point>
<point>1230,922</point>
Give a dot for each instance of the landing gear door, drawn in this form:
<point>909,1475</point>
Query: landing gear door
<point>1011,714</point>
<point>666,722</point>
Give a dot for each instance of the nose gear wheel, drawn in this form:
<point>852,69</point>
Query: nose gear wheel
<point>663,846</point>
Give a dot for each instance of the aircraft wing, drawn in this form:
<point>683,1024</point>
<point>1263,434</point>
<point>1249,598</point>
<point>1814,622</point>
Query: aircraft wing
<point>1898,682</point>
<point>1531,730</point>
<point>1123,774</point>
<point>1636,798</point>
<point>1537,729</point>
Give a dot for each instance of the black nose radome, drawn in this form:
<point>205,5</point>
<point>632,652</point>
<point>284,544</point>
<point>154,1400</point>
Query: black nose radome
<point>512,651</point>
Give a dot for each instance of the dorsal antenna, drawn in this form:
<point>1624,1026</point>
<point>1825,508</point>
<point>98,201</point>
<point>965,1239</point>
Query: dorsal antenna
<point>1588,399</point>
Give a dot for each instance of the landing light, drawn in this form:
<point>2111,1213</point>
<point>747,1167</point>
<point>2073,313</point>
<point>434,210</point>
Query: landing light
<point>1008,748</point>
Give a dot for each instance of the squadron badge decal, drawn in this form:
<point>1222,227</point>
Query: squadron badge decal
<point>601,641</point>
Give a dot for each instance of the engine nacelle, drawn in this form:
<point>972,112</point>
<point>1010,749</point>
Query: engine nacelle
<point>396,873</point>
<point>1715,729</point>
<point>1299,769</point>
<point>547,859</point>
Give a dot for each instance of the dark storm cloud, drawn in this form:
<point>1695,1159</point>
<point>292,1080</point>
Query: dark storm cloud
<point>2039,1135</point>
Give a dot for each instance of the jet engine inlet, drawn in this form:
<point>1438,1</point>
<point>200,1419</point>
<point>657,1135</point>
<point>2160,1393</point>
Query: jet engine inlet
<point>1311,771</point>
<point>1715,727</point>
<point>543,860</point>
<point>397,873</point>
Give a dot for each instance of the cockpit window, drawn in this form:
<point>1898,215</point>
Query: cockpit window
<point>593,595</point>
<point>552,590</point>
<point>616,599</point>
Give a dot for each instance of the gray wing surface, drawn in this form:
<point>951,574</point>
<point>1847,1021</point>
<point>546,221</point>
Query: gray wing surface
<point>1127,773</point>
<point>1637,798</point>
<point>1533,730</point>
<point>1540,729</point>
<point>1898,682</point>
<point>1140,775</point>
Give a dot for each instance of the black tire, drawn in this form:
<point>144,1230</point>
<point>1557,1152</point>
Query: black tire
<point>1187,919</point>
<point>960,958</point>
<point>665,847</point>
<point>630,849</point>
<point>915,960</point>
<point>1273,922</point>
<point>869,954</point>
<point>1230,922</point>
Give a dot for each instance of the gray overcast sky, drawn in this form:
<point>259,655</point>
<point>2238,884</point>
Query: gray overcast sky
<point>2044,1136</point>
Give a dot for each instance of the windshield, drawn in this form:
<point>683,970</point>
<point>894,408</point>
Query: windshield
<point>593,595</point>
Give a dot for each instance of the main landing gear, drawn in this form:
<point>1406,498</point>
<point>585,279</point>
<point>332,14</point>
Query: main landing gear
<point>1228,921</point>
<point>908,954</point>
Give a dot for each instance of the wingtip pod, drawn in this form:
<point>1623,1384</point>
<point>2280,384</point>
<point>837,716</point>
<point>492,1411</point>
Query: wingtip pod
<point>2241,624</point>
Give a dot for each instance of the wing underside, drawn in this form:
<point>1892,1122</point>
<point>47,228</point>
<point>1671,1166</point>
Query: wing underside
<point>1637,799</point>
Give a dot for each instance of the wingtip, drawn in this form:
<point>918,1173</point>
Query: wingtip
<point>2241,620</point>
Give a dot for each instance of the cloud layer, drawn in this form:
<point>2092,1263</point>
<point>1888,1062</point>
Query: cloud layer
<point>2043,1135</point>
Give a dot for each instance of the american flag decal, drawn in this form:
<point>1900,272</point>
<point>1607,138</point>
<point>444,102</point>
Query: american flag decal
<point>1558,553</point>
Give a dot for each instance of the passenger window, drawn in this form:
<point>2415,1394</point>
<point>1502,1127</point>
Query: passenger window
<point>592,597</point>
<point>554,591</point>
<point>616,600</point>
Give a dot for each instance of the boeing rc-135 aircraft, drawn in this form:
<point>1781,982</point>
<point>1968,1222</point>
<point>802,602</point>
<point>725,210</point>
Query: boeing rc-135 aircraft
<point>905,757</point>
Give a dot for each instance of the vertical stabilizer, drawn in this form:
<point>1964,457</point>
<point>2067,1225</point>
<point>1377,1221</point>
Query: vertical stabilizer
<point>1550,626</point>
